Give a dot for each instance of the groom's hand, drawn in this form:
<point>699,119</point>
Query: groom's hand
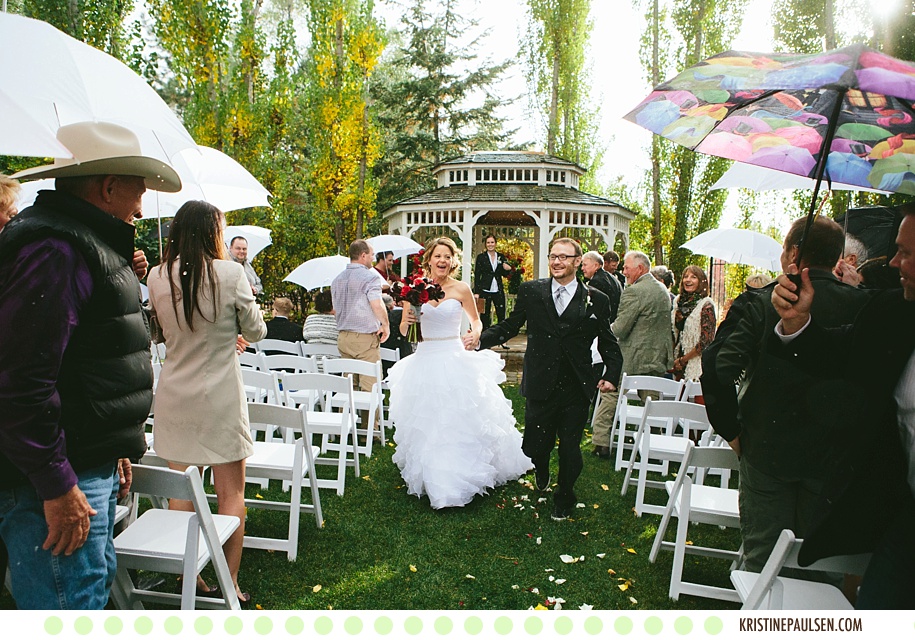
<point>605,386</point>
<point>470,340</point>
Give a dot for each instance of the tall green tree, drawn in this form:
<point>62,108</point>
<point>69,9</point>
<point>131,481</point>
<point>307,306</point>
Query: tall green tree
<point>100,23</point>
<point>434,100</point>
<point>558,76</point>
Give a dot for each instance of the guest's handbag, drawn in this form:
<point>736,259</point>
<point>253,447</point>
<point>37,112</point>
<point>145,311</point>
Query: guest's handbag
<point>481,305</point>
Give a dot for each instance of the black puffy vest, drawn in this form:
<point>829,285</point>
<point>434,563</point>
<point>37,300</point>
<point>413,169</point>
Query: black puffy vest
<point>105,379</point>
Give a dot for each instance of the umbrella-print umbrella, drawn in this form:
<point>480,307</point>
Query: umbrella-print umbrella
<point>854,96</point>
<point>317,272</point>
<point>400,245</point>
<point>751,176</point>
<point>58,80</point>
<point>258,237</point>
<point>740,246</point>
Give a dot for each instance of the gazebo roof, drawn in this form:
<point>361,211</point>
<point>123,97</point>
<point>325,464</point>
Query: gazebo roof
<point>508,157</point>
<point>509,193</point>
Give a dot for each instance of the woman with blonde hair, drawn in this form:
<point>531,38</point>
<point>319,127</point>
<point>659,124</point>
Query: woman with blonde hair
<point>9,193</point>
<point>201,300</point>
<point>454,429</point>
<point>693,317</point>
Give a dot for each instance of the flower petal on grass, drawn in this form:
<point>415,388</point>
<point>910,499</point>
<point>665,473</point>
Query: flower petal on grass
<point>633,600</point>
<point>560,580</point>
<point>316,588</point>
<point>601,555</point>
<point>584,533</point>
<point>605,487</point>
<point>258,496</point>
<point>470,577</point>
<point>413,568</point>
<point>580,505</point>
<point>585,607</point>
<point>632,551</point>
<point>552,578</point>
<point>567,558</point>
<point>540,607</point>
<point>611,572</point>
<point>539,539</point>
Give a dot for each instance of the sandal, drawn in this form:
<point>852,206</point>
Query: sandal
<point>244,600</point>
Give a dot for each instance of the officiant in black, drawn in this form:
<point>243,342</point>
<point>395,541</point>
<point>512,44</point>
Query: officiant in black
<point>563,317</point>
<point>489,269</point>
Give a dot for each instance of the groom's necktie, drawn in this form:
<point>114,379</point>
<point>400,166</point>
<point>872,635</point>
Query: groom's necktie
<point>562,296</point>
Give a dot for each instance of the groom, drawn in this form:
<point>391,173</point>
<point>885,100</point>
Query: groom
<point>563,317</point>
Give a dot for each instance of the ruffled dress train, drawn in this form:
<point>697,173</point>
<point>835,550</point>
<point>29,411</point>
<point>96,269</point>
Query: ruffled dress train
<point>454,429</point>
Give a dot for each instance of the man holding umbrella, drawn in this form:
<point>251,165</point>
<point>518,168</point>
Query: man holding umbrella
<point>76,382</point>
<point>780,475</point>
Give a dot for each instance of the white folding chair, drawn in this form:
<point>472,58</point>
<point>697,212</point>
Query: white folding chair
<point>322,419</point>
<point>666,447</point>
<point>767,590</point>
<point>288,363</point>
<point>628,413</point>
<point>291,463</point>
<point>261,386</point>
<point>368,401</point>
<point>318,350</point>
<point>280,346</point>
<point>157,351</point>
<point>390,356</point>
<point>179,542</point>
<point>251,360</point>
<point>691,502</point>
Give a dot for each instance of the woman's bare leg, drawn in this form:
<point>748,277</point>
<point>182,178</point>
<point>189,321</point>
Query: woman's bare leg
<point>229,480</point>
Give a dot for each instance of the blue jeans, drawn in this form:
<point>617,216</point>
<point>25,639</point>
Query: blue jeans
<point>41,580</point>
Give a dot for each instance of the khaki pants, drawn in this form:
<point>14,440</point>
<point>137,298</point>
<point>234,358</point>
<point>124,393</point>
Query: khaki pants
<point>360,346</point>
<point>603,421</point>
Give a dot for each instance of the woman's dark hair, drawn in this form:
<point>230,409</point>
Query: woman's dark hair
<point>194,240</point>
<point>324,303</point>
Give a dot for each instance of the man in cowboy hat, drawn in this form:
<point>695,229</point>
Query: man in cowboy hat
<point>75,375</point>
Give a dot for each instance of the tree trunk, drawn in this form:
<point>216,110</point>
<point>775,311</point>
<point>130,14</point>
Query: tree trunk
<point>338,83</point>
<point>655,144</point>
<point>554,104</point>
<point>829,25</point>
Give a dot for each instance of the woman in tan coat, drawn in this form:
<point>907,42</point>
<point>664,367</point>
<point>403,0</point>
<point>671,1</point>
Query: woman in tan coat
<point>202,301</point>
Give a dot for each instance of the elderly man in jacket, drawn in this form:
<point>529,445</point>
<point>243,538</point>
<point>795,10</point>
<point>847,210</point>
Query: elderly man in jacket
<point>645,334</point>
<point>76,380</point>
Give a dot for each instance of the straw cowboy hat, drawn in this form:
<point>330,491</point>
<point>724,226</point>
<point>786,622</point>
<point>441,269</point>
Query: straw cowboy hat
<point>103,148</point>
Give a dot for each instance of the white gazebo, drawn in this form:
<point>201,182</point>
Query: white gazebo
<point>524,191</point>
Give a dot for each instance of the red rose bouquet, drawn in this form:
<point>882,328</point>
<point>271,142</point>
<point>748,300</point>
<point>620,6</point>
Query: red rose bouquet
<point>416,290</point>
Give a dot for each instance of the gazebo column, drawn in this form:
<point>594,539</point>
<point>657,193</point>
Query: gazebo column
<point>467,245</point>
<point>541,264</point>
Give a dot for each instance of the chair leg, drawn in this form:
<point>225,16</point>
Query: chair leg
<point>662,528</point>
<point>640,486</point>
<point>189,583</point>
<point>295,502</point>
<point>676,571</point>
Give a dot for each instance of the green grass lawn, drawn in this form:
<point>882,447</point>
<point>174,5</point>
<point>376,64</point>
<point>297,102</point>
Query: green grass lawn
<point>383,549</point>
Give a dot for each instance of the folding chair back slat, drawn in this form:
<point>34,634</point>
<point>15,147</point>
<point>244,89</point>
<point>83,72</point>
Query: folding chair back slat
<point>281,346</point>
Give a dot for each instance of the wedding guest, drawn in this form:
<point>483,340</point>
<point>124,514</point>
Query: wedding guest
<point>321,327</point>
<point>779,478</point>
<point>666,277</point>
<point>238,247</point>
<point>280,327</point>
<point>384,265</point>
<point>490,267</point>
<point>592,264</point>
<point>693,317</point>
<point>9,193</point>
<point>757,281</point>
<point>643,329</point>
<point>563,318</point>
<point>611,263</point>
<point>75,372</point>
<point>201,300</point>
<point>868,503</point>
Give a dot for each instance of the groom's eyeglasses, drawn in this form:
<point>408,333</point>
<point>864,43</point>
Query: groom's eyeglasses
<point>559,258</point>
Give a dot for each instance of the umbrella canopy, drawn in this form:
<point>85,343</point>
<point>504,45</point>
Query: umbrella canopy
<point>258,237</point>
<point>400,245</point>
<point>749,176</point>
<point>317,272</point>
<point>844,115</point>
<point>206,174</point>
<point>57,80</point>
<point>23,135</point>
<point>740,246</point>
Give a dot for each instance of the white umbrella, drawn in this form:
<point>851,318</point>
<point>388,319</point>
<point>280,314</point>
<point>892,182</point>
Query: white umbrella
<point>22,135</point>
<point>258,237</point>
<point>317,272</point>
<point>740,246</point>
<point>751,176</point>
<point>206,174</point>
<point>400,245</point>
<point>58,80</point>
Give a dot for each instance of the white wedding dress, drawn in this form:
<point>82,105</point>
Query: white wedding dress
<point>454,429</point>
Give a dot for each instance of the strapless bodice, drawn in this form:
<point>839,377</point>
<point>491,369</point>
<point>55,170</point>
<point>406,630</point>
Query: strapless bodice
<point>442,321</point>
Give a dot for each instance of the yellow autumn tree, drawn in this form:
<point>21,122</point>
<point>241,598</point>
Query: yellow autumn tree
<point>346,43</point>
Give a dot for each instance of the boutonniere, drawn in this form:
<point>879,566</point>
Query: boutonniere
<point>587,298</point>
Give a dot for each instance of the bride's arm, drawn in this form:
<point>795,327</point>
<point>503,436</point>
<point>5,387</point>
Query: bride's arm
<point>472,337</point>
<point>407,317</point>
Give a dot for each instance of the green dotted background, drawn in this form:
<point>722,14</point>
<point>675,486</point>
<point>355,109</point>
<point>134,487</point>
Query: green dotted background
<point>516,624</point>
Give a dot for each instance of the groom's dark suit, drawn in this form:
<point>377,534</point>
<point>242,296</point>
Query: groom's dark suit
<point>558,380</point>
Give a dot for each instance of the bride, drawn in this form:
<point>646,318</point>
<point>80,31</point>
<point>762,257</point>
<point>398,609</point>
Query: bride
<point>454,429</point>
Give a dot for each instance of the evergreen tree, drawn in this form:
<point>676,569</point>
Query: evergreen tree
<point>429,107</point>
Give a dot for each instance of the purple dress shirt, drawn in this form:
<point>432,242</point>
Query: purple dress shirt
<point>42,290</point>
